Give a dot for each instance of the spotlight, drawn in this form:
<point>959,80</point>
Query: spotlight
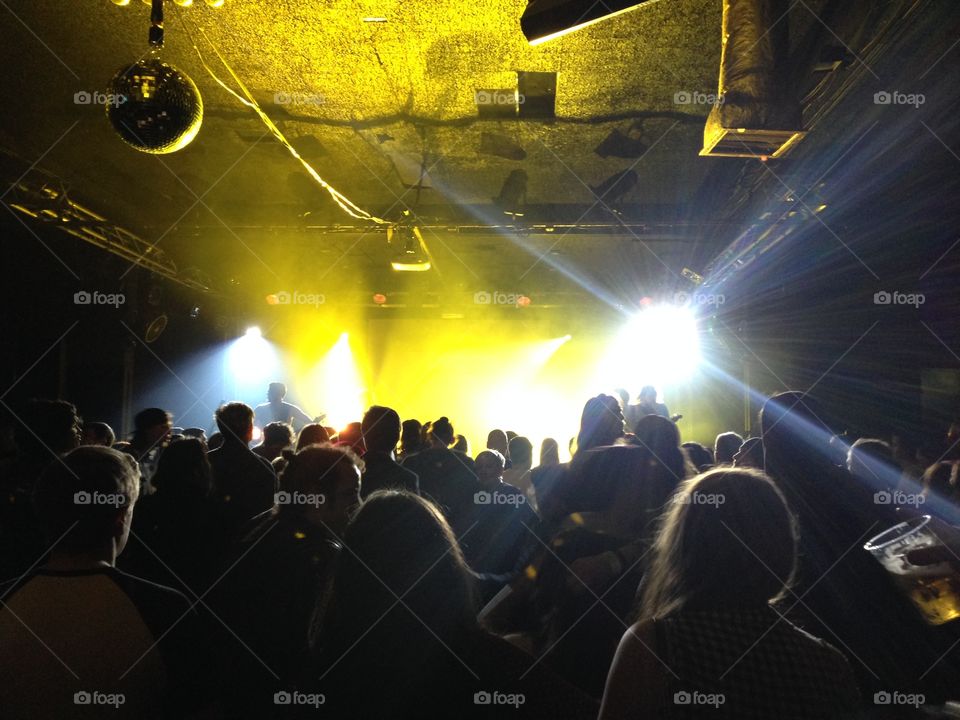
<point>379,298</point>
<point>548,19</point>
<point>410,254</point>
<point>660,345</point>
<point>253,332</point>
<point>155,328</point>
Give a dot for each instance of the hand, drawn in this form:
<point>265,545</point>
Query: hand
<point>949,551</point>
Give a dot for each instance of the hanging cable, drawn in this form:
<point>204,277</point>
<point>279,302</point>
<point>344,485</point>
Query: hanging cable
<point>342,200</point>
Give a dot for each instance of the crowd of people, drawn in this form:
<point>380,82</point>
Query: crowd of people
<point>380,570</point>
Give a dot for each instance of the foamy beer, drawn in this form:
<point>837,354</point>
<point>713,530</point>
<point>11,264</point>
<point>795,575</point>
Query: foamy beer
<point>934,588</point>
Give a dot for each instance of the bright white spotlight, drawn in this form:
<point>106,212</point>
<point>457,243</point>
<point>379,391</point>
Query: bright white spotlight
<point>340,385</point>
<point>252,361</point>
<point>659,346</point>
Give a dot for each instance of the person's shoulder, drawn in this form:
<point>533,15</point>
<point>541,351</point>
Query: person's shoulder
<point>259,461</point>
<point>141,589</point>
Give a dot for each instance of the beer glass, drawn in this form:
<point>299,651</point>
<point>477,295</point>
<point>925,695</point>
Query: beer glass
<point>935,588</point>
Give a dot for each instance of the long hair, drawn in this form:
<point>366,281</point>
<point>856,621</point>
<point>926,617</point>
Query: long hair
<point>183,471</point>
<point>398,545</point>
<point>662,438</point>
<point>600,424</point>
<point>728,540</point>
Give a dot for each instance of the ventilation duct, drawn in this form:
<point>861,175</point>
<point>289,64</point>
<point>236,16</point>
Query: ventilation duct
<point>755,114</point>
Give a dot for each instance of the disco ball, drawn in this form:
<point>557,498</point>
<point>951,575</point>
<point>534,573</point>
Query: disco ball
<point>154,107</point>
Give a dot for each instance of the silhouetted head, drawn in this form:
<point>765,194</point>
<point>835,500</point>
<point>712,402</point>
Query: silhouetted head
<point>183,470</point>
<point>497,440</point>
<point>601,423</point>
<point>521,452</point>
<point>662,438</point>
<point>750,454</point>
<point>725,447</point>
<point>98,433</point>
<point>441,432</point>
<point>648,394</point>
<point>276,392</point>
<point>235,422</point>
<point>321,484</point>
<point>728,541</point>
<point>381,429</point>
<point>87,499</point>
<point>549,452</point>
<point>47,426</point>
<point>278,434</point>
<point>312,434</point>
<point>151,426</point>
<point>489,466</point>
<point>400,545</point>
<point>411,440</point>
<point>698,455</point>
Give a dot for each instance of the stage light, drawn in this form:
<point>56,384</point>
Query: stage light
<point>659,346</point>
<point>336,380</point>
<point>379,298</point>
<point>545,20</point>
<point>410,251</point>
<point>252,362</point>
<point>215,3</point>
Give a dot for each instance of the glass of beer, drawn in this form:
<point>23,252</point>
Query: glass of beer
<point>935,588</point>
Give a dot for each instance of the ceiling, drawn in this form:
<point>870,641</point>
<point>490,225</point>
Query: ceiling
<point>366,101</point>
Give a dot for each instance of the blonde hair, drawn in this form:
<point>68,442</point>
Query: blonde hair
<point>727,540</point>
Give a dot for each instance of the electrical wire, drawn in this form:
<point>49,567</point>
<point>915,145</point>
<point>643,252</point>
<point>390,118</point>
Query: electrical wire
<point>342,200</point>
